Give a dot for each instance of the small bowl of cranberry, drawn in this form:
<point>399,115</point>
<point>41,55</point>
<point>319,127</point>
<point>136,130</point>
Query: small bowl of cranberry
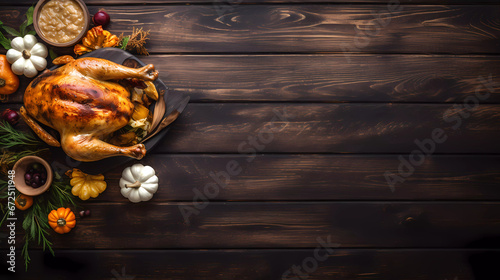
<point>33,175</point>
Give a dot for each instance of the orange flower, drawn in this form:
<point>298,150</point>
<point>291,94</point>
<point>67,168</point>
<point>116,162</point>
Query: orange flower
<point>96,38</point>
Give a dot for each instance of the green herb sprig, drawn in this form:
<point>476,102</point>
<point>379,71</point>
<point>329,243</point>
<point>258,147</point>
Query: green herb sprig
<point>123,43</point>
<point>12,138</point>
<point>24,29</point>
<point>16,144</point>
<point>35,222</point>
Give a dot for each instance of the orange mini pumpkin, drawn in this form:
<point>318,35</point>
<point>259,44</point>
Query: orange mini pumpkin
<point>62,220</point>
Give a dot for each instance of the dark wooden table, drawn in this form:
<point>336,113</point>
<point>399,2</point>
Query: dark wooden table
<point>347,139</point>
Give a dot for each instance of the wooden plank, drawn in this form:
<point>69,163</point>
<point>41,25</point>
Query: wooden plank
<point>226,5</point>
<point>308,28</point>
<point>331,78</point>
<point>250,129</point>
<point>331,128</point>
<point>231,225</point>
<point>317,177</point>
<point>325,78</point>
<point>260,264</point>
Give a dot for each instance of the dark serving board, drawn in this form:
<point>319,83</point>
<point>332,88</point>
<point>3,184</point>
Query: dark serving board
<point>173,100</point>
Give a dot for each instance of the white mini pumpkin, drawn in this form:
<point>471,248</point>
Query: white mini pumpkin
<point>27,56</point>
<point>138,183</point>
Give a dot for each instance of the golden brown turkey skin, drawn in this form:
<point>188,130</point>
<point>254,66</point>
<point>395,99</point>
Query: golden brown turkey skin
<point>78,103</point>
<point>82,101</point>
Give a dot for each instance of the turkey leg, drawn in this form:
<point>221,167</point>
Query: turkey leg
<point>44,135</point>
<point>101,69</point>
<point>85,147</point>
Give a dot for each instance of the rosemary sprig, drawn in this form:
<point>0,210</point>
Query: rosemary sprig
<point>36,227</point>
<point>5,214</point>
<point>13,146</point>
<point>12,138</point>
<point>8,158</point>
<point>36,224</point>
<point>62,194</point>
<point>3,191</point>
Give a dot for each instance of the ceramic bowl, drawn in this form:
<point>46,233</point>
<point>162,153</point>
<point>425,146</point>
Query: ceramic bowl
<point>86,25</point>
<point>21,167</point>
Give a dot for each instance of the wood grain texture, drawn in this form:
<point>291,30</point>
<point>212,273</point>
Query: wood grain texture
<point>271,215</point>
<point>307,28</point>
<point>329,78</point>
<point>330,128</point>
<point>325,78</point>
<point>225,5</point>
<point>261,264</point>
<point>317,177</point>
<point>250,129</point>
<point>232,225</point>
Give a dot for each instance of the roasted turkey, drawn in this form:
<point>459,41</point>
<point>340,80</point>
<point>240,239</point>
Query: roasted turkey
<point>84,102</point>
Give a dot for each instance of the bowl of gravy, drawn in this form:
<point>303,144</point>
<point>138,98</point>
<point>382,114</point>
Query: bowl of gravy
<point>61,23</point>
